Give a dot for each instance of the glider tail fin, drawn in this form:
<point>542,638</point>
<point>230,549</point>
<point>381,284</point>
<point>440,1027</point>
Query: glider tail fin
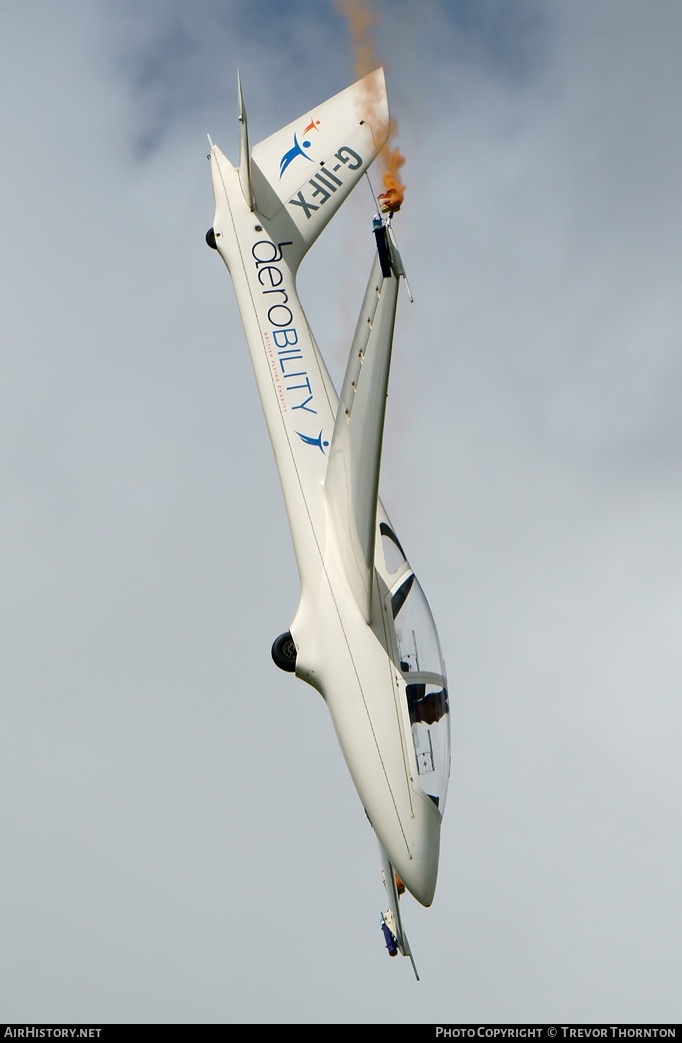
<point>300,176</point>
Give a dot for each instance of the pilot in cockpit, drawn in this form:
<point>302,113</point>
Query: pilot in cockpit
<point>426,709</point>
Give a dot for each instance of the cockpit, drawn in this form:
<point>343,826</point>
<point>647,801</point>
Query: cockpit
<point>423,670</point>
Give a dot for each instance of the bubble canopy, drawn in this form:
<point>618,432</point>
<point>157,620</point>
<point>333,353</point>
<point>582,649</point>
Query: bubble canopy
<point>423,670</point>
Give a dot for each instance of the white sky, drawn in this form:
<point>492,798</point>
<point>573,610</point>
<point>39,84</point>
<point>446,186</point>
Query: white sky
<point>181,840</point>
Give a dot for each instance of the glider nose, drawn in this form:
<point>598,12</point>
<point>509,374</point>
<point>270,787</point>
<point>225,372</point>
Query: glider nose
<point>421,882</point>
<point>420,873</point>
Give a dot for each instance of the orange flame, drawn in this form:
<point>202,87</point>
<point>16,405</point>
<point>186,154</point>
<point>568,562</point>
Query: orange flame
<point>361,18</point>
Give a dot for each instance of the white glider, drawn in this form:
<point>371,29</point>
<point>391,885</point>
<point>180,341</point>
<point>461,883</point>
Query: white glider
<point>363,635</point>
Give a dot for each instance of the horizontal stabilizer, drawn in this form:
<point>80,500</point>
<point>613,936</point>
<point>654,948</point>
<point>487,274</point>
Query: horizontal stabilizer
<point>244,155</point>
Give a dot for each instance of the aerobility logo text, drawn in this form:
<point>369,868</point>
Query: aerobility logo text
<point>291,380</point>
<point>325,182</point>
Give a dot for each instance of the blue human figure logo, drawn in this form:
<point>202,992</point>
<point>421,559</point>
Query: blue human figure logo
<point>290,156</point>
<point>313,441</point>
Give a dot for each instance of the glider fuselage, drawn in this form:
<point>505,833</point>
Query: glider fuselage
<point>355,578</point>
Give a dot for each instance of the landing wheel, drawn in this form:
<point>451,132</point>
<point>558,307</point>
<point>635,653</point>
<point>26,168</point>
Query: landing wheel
<point>210,239</point>
<point>284,653</point>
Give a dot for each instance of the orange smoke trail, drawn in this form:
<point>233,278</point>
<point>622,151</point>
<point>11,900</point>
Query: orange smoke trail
<point>361,18</point>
